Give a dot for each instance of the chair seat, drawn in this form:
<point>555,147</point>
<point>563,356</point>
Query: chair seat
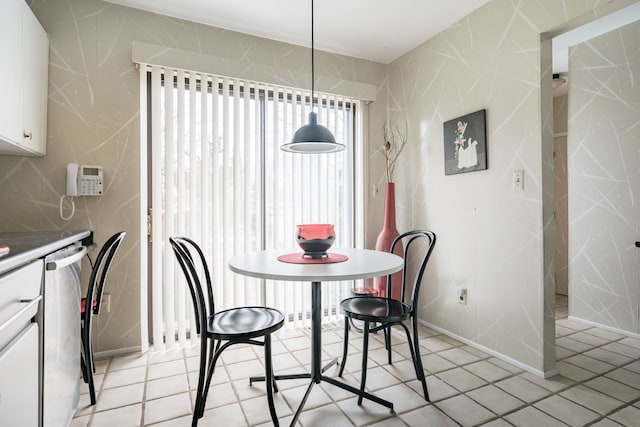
<point>244,322</point>
<point>375,309</point>
<point>83,304</point>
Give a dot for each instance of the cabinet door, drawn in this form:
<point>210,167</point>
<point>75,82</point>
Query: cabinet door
<point>10,75</point>
<point>19,385</point>
<point>35,62</point>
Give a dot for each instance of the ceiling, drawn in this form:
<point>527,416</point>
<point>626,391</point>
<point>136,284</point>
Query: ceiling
<point>376,30</point>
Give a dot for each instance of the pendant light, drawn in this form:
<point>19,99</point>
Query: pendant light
<point>312,137</point>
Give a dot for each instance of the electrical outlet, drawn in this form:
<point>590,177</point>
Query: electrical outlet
<point>462,296</point>
<point>105,304</point>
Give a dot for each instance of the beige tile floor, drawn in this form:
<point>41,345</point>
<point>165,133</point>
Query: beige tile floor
<point>598,385</point>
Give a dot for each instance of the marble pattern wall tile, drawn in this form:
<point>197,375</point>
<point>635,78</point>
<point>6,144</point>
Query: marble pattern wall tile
<point>492,240</point>
<point>93,118</point>
<point>604,170</point>
<point>560,122</point>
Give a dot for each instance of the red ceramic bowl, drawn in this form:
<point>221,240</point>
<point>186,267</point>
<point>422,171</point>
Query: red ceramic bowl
<point>315,239</point>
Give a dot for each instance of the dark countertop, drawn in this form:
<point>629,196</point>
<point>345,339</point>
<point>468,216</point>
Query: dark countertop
<point>26,246</point>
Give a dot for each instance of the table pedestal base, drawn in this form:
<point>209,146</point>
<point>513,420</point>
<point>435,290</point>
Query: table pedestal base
<point>362,394</point>
<point>316,354</point>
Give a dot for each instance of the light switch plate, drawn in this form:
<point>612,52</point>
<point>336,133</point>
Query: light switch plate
<point>517,181</point>
<point>105,305</point>
<point>462,295</point>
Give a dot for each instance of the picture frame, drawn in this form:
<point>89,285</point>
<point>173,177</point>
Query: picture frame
<point>465,143</point>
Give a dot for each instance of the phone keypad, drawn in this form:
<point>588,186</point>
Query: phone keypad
<point>91,187</point>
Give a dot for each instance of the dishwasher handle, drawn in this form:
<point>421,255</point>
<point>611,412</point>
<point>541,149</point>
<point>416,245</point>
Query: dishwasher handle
<point>64,262</point>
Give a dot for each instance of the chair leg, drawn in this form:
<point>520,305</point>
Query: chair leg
<point>88,373</point>
<point>345,345</point>
<point>387,343</point>
<point>365,349</point>
<point>411,350</point>
<point>195,417</point>
<point>269,381</point>
<point>418,359</point>
<point>83,356</point>
<point>275,386</point>
<point>197,412</point>
<point>83,368</point>
<point>213,359</point>
<point>88,361</point>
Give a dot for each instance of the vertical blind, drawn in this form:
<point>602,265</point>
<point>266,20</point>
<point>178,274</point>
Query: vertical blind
<point>219,177</point>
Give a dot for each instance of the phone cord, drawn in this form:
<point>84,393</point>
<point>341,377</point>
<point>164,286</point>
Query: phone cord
<point>73,208</point>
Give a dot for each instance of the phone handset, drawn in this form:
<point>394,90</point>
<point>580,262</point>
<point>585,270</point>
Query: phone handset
<point>72,179</point>
<point>82,180</point>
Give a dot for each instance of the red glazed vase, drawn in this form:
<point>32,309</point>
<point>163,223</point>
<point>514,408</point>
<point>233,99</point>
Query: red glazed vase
<point>384,241</point>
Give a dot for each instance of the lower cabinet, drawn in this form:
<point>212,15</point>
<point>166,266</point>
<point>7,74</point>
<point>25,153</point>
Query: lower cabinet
<point>19,385</point>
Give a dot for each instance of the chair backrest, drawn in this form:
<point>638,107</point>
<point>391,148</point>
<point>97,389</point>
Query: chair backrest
<point>417,249</point>
<point>100,270</point>
<point>194,266</point>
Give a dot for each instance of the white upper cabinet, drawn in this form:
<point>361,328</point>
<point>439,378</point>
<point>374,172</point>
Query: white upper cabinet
<point>24,51</point>
<point>35,68</point>
<point>10,75</point>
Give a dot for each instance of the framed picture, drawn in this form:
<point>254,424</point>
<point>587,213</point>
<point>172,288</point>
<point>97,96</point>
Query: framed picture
<point>465,143</point>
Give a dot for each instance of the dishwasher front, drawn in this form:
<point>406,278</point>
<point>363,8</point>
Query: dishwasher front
<point>61,335</point>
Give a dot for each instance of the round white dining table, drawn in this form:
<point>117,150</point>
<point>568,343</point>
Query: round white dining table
<point>361,264</point>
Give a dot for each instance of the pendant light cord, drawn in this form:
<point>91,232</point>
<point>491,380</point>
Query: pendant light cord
<point>313,77</point>
<point>313,137</point>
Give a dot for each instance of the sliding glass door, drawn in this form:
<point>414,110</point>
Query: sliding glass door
<point>220,178</point>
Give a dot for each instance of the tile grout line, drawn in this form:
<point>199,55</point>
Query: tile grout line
<point>143,404</point>
<point>480,357</point>
<point>552,393</point>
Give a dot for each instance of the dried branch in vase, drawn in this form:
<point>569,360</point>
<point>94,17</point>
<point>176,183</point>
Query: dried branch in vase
<point>395,140</point>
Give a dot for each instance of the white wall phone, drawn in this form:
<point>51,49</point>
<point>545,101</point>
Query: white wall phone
<point>82,180</point>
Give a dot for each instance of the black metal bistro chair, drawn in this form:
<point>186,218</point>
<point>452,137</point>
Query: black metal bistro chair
<point>90,306</point>
<point>386,312</point>
<point>219,330</point>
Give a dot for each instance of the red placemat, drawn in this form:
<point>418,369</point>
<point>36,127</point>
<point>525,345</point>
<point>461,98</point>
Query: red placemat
<point>297,258</point>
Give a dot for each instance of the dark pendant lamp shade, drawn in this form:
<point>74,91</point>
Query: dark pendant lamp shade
<point>312,138</point>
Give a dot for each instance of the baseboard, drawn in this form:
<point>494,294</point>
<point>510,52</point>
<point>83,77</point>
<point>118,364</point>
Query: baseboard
<point>605,327</point>
<point>116,352</point>
<point>534,371</point>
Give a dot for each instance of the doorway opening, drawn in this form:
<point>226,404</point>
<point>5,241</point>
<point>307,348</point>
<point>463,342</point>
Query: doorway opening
<point>582,186</point>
